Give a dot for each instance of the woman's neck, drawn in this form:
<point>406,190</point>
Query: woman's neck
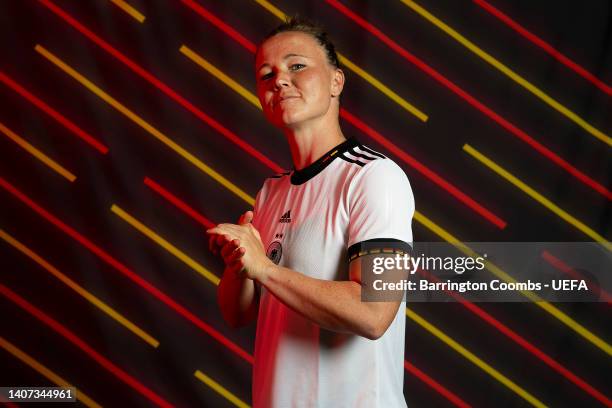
<point>307,144</point>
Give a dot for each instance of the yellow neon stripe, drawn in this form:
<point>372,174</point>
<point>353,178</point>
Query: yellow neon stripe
<point>537,196</point>
<point>382,88</point>
<point>220,389</point>
<point>509,73</point>
<point>37,153</point>
<point>359,71</point>
<point>129,10</point>
<point>494,269</point>
<point>165,244</point>
<point>198,59</point>
<point>80,290</point>
<point>474,359</point>
<point>146,126</point>
<point>50,375</point>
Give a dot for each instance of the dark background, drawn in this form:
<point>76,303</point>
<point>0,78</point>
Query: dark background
<point>580,30</point>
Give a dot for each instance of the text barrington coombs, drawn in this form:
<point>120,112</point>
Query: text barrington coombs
<point>409,263</point>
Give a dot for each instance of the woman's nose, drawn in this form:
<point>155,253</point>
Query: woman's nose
<point>282,80</point>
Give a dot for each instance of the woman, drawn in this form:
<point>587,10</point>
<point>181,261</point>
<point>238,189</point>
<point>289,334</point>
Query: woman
<point>295,262</point>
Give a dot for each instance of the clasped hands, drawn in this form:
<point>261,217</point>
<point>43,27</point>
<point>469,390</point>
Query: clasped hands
<point>241,248</point>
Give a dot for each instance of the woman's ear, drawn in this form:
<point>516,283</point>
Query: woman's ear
<point>337,82</point>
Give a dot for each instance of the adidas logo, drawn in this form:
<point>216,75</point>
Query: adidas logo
<point>286,217</point>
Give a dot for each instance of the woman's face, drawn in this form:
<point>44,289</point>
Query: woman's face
<point>295,81</point>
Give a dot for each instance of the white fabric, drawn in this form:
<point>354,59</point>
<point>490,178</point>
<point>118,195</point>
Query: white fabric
<point>297,363</point>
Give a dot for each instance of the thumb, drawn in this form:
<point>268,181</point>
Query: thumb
<point>246,218</point>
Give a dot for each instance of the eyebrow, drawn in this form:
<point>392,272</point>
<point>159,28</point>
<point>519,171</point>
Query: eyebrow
<point>284,58</point>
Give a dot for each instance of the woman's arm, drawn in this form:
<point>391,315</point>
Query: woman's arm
<point>334,305</point>
<point>236,295</point>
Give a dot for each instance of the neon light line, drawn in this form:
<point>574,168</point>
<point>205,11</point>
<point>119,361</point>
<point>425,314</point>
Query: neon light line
<point>217,73</point>
<point>130,10</point>
<point>142,123</point>
<point>563,267</point>
<point>162,87</point>
<point>211,277</point>
<point>545,46</point>
<point>37,153</point>
<point>220,389</point>
<point>588,181</point>
<point>458,402</point>
<point>104,256</point>
<point>53,113</point>
<point>509,72</point>
<point>181,205</point>
<point>86,348</point>
<point>80,290</point>
<point>46,372</point>
<point>565,216</point>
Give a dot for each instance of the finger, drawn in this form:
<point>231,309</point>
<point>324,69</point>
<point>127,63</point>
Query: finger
<point>222,240</point>
<point>229,248</point>
<point>246,218</point>
<point>236,255</point>
<point>211,244</point>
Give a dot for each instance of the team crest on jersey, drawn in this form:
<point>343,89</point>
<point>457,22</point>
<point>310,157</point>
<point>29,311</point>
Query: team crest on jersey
<point>286,217</point>
<point>275,251</point>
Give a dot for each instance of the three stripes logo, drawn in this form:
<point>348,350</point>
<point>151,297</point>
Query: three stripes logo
<point>286,217</point>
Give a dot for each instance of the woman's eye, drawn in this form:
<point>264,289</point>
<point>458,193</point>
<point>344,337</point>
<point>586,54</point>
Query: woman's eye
<point>295,67</point>
<point>266,76</point>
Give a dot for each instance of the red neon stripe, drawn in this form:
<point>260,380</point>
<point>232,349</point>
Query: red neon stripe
<point>179,203</point>
<point>435,385</point>
<point>216,21</point>
<point>525,344</point>
<point>127,272</point>
<point>430,174</point>
<point>163,87</point>
<point>562,266</point>
<point>53,113</point>
<point>473,101</point>
<point>545,46</point>
<point>86,348</point>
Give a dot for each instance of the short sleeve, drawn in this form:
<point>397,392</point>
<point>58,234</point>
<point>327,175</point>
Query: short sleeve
<point>381,207</point>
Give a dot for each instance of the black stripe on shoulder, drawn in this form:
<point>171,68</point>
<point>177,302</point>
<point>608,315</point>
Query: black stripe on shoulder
<point>367,149</point>
<point>348,159</point>
<point>362,155</point>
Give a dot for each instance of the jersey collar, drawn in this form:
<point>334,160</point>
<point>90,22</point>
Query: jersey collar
<point>301,176</point>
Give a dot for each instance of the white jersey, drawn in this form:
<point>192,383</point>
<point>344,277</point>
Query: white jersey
<point>310,221</point>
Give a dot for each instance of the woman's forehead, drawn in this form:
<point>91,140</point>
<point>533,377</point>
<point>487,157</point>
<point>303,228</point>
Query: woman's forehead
<point>286,44</point>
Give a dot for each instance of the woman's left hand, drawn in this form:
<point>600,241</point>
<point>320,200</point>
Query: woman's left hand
<point>254,259</point>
